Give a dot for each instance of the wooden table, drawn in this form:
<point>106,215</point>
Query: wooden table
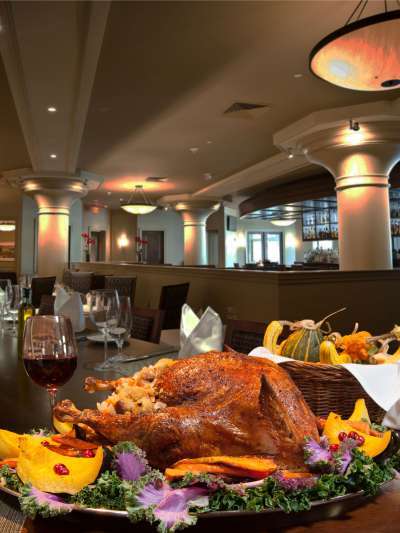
<point>24,405</point>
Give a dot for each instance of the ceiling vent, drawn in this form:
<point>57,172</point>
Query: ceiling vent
<point>156,179</point>
<point>246,110</point>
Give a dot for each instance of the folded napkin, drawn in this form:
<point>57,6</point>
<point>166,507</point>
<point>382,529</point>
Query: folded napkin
<point>380,382</point>
<point>200,335</point>
<point>70,306</point>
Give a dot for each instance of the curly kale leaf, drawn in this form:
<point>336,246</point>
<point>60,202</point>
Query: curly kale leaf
<point>35,502</point>
<point>9,478</point>
<point>107,492</point>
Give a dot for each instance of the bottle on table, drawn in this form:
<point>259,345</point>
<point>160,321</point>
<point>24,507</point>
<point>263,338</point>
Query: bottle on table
<point>25,311</point>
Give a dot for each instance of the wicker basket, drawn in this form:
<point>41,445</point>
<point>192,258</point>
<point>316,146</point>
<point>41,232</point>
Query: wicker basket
<point>329,388</point>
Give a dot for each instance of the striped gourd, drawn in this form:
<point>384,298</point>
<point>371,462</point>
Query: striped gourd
<point>305,341</point>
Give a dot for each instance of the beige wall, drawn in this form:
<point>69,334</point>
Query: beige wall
<point>263,296</point>
<point>11,209</point>
<point>122,224</point>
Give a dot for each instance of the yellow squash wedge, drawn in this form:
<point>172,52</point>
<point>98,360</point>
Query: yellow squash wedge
<point>360,412</point>
<point>62,427</point>
<point>372,446</point>
<point>36,466</point>
<point>9,444</point>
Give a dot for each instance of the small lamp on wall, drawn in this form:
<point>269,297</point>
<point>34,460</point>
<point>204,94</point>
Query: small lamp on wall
<point>123,241</point>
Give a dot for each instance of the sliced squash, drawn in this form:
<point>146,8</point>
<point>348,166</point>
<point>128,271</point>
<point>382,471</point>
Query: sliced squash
<point>62,427</point>
<point>373,445</point>
<point>9,444</point>
<point>360,412</point>
<point>37,464</point>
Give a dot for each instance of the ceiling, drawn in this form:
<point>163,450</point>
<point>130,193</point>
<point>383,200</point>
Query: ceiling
<point>158,77</point>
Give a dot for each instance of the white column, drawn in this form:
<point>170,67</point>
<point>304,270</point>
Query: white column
<point>194,212</point>
<point>54,197</point>
<point>360,161</point>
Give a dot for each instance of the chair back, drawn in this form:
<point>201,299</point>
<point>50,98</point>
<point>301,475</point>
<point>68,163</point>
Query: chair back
<point>98,282</point>
<point>12,276</point>
<point>171,301</point>
<point>124,285</point>
<point>46,304</point>
<point>147,324</point>
<point>41,286</point>
<point>79,281</point>
<point>244,335</point>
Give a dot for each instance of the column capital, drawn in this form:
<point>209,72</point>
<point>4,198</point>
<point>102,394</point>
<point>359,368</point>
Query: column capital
<point>186,202</point>
<point>54,192</point>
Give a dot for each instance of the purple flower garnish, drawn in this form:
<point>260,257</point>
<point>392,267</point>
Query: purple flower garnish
<point>344,456</point>
<point>171,506</point>
<point>130,466</point>
<point>34,501</point>
<point>318,456</point>
<point>295,483</point>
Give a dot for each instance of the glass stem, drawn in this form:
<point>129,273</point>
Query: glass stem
<point>105,344</point>
<point>52,398</point>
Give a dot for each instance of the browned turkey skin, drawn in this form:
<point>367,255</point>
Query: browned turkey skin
<point>217,404</point>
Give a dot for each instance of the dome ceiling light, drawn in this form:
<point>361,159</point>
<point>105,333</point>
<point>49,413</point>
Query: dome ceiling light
<point>363,55</point>
<point>138,203</point>
<point>7,225</point>
<point>282,222</point>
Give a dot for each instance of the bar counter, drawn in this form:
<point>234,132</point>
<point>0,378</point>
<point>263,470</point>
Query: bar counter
<point>370,297</point>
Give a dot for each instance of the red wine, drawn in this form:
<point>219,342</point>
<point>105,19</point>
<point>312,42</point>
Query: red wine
<point>50,373</point>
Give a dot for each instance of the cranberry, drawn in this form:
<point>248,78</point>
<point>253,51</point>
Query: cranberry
<point>45,443</point>
<point>360,440</point>
<point>88,453</point>
<point>342,436</point>
<point>334,447</point>
<point>353,435</point>
<point>61,469</point>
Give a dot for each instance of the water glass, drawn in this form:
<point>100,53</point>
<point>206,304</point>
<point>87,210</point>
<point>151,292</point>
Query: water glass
<point>104,311</point>
<point>122,331</point>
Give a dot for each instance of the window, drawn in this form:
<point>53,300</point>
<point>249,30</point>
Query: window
<point>264,246</point>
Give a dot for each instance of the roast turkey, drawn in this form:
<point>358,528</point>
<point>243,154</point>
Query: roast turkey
<point>215,404</point>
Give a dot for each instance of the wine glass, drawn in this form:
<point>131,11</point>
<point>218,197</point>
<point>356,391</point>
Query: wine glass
<point>5,286</point>
<point>13,299</point>
<point>122,330</point>
<point>49,352</point>
<point>104,309</point>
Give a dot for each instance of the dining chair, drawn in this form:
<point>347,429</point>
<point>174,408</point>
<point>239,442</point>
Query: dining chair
<point>244,335</point>
<point>147,324</point>
<point>172,299</point>
<point>41,286</point>
<point>46,306</point>
<point>124,285</point>
<point>12,276</point>
<point>79,281</point>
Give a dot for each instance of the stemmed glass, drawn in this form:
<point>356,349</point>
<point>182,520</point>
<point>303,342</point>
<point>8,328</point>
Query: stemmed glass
<point>49,352</point>
<point>104,309</point>
<point>122,331</point>
<point>5,286</point>
<point>13,302</point>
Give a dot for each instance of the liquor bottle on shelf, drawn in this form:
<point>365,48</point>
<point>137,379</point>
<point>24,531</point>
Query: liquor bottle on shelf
<point>25,311</point>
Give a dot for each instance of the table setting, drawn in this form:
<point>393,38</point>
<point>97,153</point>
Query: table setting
<point>320,468</point>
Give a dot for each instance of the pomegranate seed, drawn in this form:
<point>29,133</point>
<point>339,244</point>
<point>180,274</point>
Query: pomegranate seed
<point>45,443</point>
<point>342,436</point>
<point>360,440</point>
<point>88,453</point>
<point>334,447</point>
<point>353,435</point>
<point>61,469</point>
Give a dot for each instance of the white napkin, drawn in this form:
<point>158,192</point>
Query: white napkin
<point>380,382</point>
<point>200,335</point>
<point>70,305</point>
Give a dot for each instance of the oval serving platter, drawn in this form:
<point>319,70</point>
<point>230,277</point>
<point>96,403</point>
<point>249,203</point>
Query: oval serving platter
<point>320,509</point>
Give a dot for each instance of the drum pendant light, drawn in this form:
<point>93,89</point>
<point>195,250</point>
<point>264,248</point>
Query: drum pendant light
<point>363,55</point>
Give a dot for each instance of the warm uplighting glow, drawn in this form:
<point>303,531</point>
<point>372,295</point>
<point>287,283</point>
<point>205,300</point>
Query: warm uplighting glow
<point>138,204</point>
<point>241,240</point>
<point>362,56</point>
<point>7,226</point>
<point>123,241</point>
<point>282,222</point>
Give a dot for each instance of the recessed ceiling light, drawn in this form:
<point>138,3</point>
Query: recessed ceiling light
<point>53,156</point>
<point>51,109</point>
<point>207,176</point>
<point>290,154</point>
<point>298,75</point>
<point>194,149</point>
<point>209,141</point>
<point>109,193</point>
<point>121,199</point>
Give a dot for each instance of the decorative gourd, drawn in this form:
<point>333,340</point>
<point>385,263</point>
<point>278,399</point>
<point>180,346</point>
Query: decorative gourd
<point>374,442</point>
<point>328,354</point>
<point>305,341</point>
<point>50,471</point>
<point>272,333</point>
